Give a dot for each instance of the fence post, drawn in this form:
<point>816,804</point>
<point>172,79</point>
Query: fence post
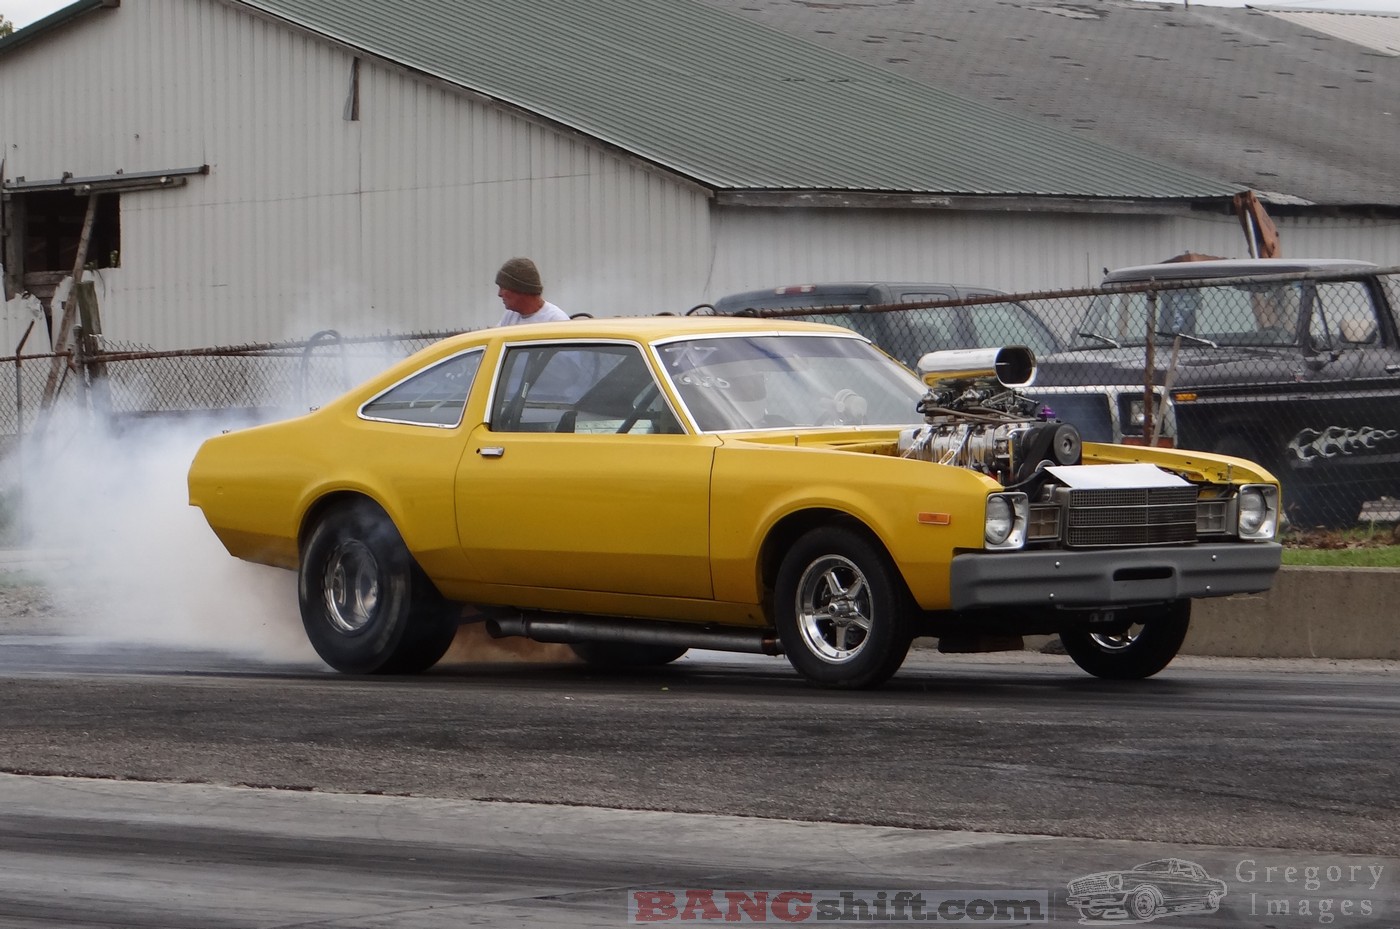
<point>65,327</point>
<point>89,353</point>
<point>1150,362</point>
<point>19,433</point>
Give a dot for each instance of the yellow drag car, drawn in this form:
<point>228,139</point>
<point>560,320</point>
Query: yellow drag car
<point>637,487</point>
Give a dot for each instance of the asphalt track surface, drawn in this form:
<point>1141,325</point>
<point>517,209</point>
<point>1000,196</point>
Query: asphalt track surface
<point>161,788</point>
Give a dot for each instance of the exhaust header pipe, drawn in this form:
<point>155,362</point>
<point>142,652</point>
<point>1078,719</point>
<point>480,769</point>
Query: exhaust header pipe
<point>566,629</point>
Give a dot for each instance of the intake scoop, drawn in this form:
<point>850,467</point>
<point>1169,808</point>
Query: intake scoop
<point>1011,366</point>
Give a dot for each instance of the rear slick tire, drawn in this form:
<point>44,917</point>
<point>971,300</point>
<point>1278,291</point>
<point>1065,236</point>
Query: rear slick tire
<point>365,604</point>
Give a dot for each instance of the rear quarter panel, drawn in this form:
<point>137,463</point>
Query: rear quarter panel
<point>256,486</point>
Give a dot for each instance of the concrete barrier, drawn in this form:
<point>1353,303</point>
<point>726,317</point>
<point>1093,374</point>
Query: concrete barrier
<point>1308,613</point>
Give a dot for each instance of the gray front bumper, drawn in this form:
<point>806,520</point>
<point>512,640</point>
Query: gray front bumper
<point>1112,577</point>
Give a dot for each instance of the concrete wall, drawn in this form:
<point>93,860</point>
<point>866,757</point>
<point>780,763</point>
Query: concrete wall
<point>1309,613</point>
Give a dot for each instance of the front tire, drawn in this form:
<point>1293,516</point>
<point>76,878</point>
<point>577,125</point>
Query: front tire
<point>1146,642</point>
<point>842,610</point>
<point>365,604</point>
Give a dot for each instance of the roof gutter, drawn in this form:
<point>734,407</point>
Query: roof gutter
<point>55,20</point>
<point>912,200</point>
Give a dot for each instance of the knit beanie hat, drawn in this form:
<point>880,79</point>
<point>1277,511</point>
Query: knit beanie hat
<point>521,276</point>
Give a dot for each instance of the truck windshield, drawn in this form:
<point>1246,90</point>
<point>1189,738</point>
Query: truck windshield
<point>1267,313</point>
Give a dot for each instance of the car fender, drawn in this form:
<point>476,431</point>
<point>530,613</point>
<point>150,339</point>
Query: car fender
<point>755,486</point>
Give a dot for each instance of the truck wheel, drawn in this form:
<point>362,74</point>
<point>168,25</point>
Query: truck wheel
<point>1144,644</point>
<point>366,605</point>
<point>626,654</point>
<point>842,610</point>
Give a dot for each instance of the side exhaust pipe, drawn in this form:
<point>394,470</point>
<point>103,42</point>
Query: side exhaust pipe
<point>566,629</point>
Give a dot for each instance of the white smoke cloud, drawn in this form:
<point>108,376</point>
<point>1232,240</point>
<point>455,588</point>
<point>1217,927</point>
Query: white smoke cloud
<point>135,563</point>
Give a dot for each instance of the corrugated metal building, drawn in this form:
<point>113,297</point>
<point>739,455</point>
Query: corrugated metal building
<point>264,169</point>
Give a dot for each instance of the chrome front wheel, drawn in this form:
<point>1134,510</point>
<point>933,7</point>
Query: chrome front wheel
<point>834,610</point>
<point>841,609</point>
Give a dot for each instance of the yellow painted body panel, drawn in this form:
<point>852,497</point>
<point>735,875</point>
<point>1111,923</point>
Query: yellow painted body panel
<point>662,526</point>
<point>1194,466</point>
<point>759,483</point>
<point>619,513</point>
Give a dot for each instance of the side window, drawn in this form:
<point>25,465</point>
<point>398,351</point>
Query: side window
<point>1342,314</point>
<point>434,397</point>
<point>924,296</point>
<point>915,333</point>
<point>580,388</point>
<point>998,324</point>
<point>1250,314</point>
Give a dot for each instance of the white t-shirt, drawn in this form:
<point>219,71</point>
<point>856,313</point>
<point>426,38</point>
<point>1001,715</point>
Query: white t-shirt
<point>549,313</point>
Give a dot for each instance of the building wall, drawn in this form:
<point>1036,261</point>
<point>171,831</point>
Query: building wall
<point>308,220</point>
<point>397,221</point>
<point>1016,252</point>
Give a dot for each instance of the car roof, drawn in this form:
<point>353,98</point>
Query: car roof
<point>650,328</point>
<point>1232,267</point>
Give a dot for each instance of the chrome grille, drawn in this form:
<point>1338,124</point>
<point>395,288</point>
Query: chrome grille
<point>1088,885</point>
<point>1134,516</point>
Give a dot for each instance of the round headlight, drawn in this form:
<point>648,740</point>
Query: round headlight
<point>1001,519</point>
<point>1253,511</point>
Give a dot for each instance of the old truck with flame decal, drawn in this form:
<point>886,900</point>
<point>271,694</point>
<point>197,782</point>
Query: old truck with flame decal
<point>1293,363</point>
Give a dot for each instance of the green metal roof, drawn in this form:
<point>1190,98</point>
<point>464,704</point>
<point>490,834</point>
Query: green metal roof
<point>54,20</point>
<point>732,104</point>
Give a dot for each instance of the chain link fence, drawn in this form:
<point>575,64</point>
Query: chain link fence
<point>122,386</point>
<point>1299,372</point>
<point>265,380</point>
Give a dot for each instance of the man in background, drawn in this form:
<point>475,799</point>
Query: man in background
<point>520,289</point>
<point>1276,314</point>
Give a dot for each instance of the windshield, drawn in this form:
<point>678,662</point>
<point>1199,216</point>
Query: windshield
<point>780,381</point>
<point>1244,314</point>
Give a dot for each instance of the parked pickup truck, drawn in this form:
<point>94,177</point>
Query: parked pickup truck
<point>1293,363</point>
<point>896,317</point>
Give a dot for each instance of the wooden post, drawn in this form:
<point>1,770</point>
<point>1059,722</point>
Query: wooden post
<point>65,328</point>
<point>86,348</point>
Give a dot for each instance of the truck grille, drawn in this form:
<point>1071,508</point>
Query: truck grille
<point>1138,516</point>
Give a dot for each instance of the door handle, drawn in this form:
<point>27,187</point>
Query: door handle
<point>1392,369</point>
<point>491,451</point>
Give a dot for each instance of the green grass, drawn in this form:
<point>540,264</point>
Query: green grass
<point>1373,546</point>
